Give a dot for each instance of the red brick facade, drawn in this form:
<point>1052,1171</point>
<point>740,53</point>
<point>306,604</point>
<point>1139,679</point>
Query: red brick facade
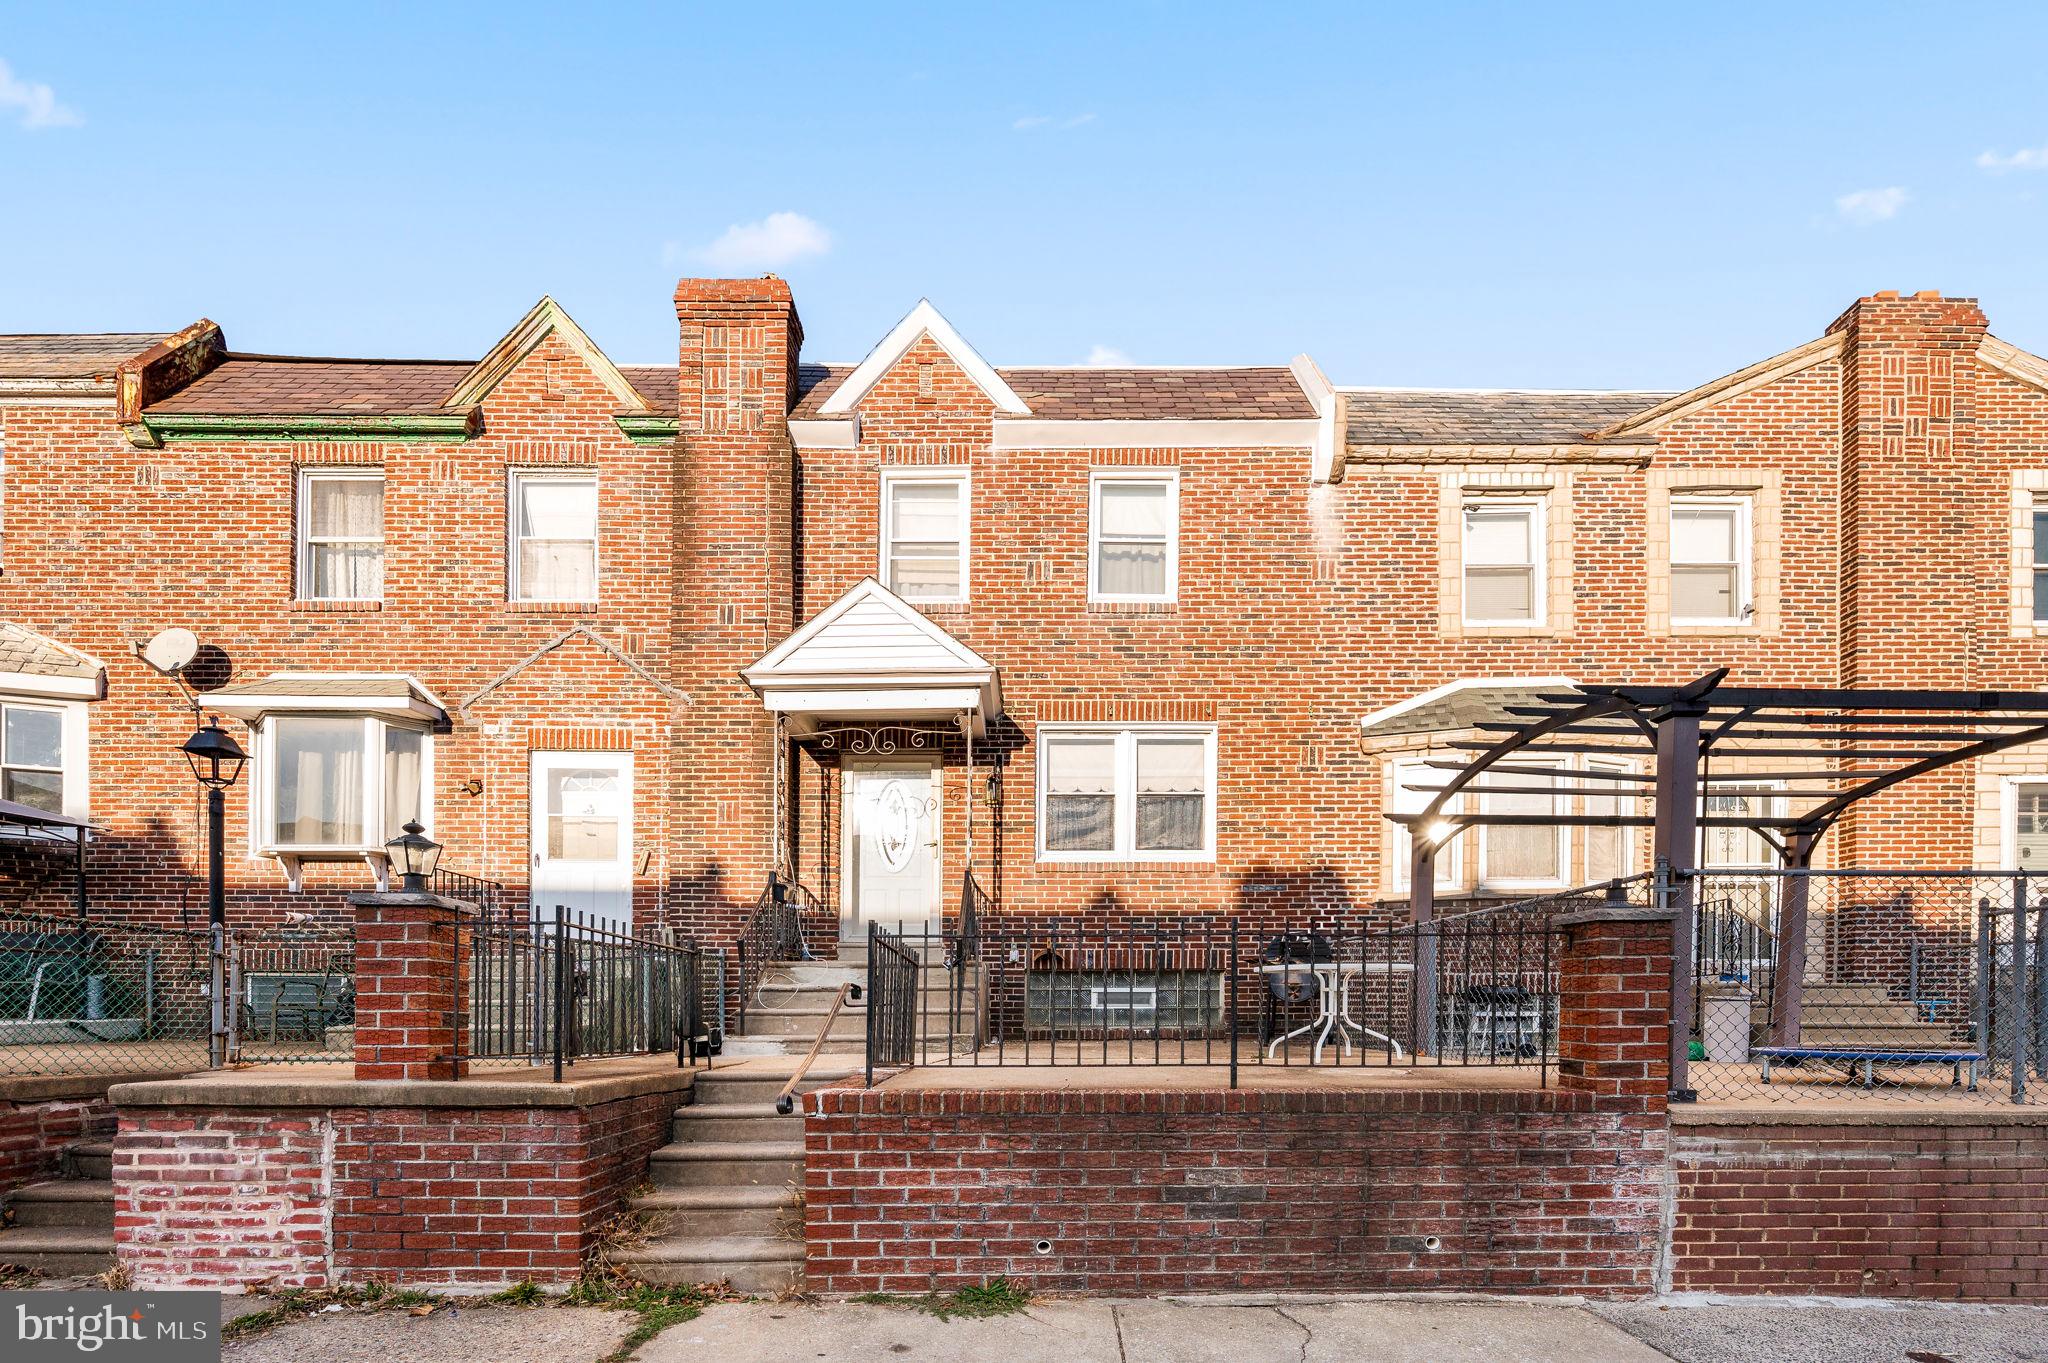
<point>35,1132</point>
<point>1949,1208</point>
<point>1889,457</point>
<point>227,1198</point>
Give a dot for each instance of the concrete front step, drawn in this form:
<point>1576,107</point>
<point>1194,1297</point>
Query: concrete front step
<point>747,1263</point>
<point>850,1025</point>
<point>721,1211</point>
<point>710,1164</point>
<point>757,1121</point>
<point>61,1251</point>
<point>65,1202</point>
<point>743,1086</point>
<point>90,1159</point>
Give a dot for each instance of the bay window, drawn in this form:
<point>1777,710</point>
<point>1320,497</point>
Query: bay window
<point>32,756</point>
<point>554,537</point>
<point>339,783</point>
<point>1524,854</point>
<point>1127,794</point>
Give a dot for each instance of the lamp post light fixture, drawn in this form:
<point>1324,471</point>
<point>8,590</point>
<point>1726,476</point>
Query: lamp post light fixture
<point>414,855</point>
<point>216,761</point>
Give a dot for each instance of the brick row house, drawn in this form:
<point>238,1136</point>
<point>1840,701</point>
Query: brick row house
<point>629,638</point>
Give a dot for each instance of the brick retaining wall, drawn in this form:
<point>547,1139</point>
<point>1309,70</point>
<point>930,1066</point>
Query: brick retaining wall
<point>211,1196</point>
<point>1216,1190</point>
<point>1950,1206</point>
<point>34,1133</point>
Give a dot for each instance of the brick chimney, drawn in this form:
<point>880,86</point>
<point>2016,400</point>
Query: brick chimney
<point>1916,503</point>
<point>734,545</point>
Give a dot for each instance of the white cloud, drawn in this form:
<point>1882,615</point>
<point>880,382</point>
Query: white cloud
<point>35,101</point>
<point>777,240</point>
<point>1106,357</point>
<point>2026,158</point>
<point>1867,206</point>
<point>1033,122</point>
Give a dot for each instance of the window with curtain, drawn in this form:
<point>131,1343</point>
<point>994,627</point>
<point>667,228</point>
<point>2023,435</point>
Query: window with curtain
<point>32,756</point>
<point>554,537</point>
<point>1134,532</point>
<point>1503,566</point>
<point>1709,560</point>
<point>1523,854</point>
<point>342,782</point>
<point>341,534</point>
<point>1126,794</point>
<point>924,537</point>
<point>2030,825</point>
<point>1610,852</point>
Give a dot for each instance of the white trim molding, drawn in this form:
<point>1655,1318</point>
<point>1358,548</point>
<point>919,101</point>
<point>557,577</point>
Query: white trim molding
<point>812,434</point>
<point>922,320</point>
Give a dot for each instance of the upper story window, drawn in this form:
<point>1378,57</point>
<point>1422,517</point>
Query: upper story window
<point>341,534</point>
<point>1503,561</point>
<point>1710,560</point>
<point>924,534</point>
<point>338,783</point>
<point>1127,794</point>
<point>2038,560</point>
<point>554,536</point>
<point>1133,536</point>
<point>32,756</point>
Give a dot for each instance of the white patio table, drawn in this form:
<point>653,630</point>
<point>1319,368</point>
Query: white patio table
<point>1333,1002</point>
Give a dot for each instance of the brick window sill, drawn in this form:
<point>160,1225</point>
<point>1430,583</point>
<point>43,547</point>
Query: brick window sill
<point>551,607</point>
<point>1133,607</point>
<point>337,607</point>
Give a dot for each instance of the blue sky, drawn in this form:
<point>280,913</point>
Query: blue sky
<point>1551,196</point>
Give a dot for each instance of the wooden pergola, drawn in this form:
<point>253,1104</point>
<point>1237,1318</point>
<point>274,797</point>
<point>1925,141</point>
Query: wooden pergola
<point>1823,751</point>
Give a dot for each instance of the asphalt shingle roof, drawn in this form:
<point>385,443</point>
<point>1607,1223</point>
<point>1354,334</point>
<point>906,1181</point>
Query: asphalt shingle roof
<point>1090,394</point>
<point>81,356</point>
<point>286,385</point>
<point>24,650</point>
<point>1380,416</point>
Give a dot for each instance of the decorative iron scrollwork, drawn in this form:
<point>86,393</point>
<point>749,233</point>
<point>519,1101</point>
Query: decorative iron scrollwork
<point>861,740</point>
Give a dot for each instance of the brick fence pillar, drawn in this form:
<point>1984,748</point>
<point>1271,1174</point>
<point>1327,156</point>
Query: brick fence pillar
<point>412,987</point>
<point>1614,1003</point>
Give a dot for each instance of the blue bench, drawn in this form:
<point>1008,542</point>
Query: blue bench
<point>1852,1056</point>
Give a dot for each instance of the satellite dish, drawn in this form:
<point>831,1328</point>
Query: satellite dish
<point>171,651</point>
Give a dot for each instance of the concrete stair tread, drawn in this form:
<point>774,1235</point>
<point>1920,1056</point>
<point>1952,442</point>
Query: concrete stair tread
<point>730,1150</point>
<point>56,1240</point>
<point>713,1111</point>
<point>66,1190</point>
<point>749,1197</point>
<point>758,1070</point>
<point>728,1249</point>
<point>101,1148</point>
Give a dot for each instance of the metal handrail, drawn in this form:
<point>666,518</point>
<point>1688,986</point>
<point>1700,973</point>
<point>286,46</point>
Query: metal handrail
<point>785,1101</point>
<point>773,932</point>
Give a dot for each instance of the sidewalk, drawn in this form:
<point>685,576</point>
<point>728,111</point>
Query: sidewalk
<point>1264,1330</point>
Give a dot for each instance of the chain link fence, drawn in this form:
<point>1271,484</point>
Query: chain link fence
<point>83,996</point>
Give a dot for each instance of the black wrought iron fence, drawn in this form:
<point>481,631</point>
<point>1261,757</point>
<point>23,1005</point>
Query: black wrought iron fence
<point>1473,989</point>
<point>87,996</point>
<point>1816,986</point>
<point>567,987</point>
<point>774,932</point>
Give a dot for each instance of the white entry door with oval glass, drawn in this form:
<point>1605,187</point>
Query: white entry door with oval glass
<point>582,815</point>
<point>891,848</point>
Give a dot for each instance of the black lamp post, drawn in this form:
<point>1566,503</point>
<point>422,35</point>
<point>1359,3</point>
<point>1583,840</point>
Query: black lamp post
<point>216,760</point>
<point>415,855</point>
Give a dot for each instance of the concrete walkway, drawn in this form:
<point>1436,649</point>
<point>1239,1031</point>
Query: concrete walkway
<point>1206,1330</point>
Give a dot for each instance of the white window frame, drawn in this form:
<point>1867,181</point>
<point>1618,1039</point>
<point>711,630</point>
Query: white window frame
<point>1629,793</point>
<point>1773,802</point>
<point>1539,555</point>
<point>1097,480</point>
<point>516,479</point>
<point>74,756</point>
<point>1745,556</point>
<point>1449,856</point>
<point>1124,816</point>
<point>263,767</point>
<point>1559,804</point>
<point>2009,816</point>
<point>304,527</point>
<point>2036,562</point>
<point>936,473</point>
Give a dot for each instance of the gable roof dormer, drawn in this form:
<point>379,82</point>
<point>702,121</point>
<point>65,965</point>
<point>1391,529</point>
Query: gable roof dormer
<point>923,320</point>
<point>546,318</point>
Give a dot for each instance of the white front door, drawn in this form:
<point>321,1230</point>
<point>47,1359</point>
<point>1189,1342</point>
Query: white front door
<point>582,814</point>
<point>891,848</point>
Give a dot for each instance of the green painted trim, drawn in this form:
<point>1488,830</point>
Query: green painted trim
<point>648,430</point>
<point>439,428</point>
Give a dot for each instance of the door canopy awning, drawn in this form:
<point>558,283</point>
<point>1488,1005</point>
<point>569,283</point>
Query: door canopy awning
<point>872,656</point>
